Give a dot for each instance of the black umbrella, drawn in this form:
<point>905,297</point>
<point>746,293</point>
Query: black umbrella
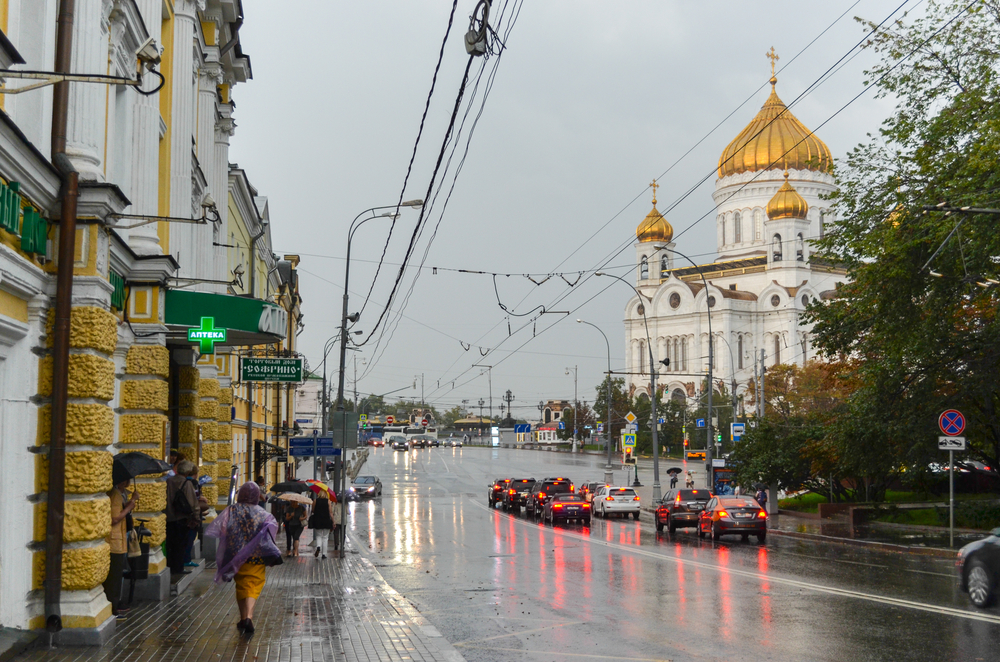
<point>129,465</point>
<point>289,486</point>
<point>675,470</point>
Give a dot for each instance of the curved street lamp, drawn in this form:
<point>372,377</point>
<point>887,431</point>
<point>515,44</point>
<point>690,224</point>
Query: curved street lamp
<point>609,475</point>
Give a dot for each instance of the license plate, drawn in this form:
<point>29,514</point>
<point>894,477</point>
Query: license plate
<point>572,510</point>
<point>741,515</point>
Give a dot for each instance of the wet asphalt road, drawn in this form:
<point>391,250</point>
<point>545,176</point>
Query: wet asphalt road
<point>501,587</point>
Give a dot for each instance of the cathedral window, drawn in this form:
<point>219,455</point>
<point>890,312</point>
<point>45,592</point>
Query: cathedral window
<point>675,300</point>
<point>800,248</point>
<point>664,266</point>
<point>644,268</point>
<point>677,395</point>
<point>642,357</point>
<point>684,354</point>
<point>776,247</point>
<point>822,223</point>
<point>777,349</point>
<point>723,230</point>
<point>803,350</point>
<point>758,225</point>
<point>737,228</point>
<point>739,351</point>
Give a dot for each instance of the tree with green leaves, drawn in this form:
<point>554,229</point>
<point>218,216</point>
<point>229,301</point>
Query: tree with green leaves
<point>918,312</point>
<point>620,404</point>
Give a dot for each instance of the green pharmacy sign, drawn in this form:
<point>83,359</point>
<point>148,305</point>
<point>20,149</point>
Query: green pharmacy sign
<point>207,335</point>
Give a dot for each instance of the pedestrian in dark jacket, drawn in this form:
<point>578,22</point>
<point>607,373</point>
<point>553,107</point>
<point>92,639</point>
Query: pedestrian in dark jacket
<point>183,514</point>
<point>761,497</point>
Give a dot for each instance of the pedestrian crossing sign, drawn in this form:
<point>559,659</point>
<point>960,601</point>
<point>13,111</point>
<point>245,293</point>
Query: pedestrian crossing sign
<point>628,441</point>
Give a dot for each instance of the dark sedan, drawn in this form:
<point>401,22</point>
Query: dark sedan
<point>978,569</point>
<point>733,515</point>
<point>365,487</point>
<point>680,508</point>
<point>566,507</point>
<point>517,494</point>
<point>495,490</point>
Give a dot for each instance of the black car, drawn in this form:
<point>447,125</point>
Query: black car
<point>544,490</point>
<point>495,490</point>
<point>680,508</point>
<point>978,569</point>
<point>566,507</point>
<point>365,487</point>
<point>399,443</point>
<point>517,493</point>
<point>732,515</point>
<point>418,441</point>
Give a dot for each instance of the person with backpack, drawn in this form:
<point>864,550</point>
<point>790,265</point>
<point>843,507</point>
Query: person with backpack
<point>761,498</point>
<point>183,514</point>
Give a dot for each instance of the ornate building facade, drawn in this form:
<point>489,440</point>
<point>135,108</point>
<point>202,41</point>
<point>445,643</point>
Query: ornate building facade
<point>770,198</point>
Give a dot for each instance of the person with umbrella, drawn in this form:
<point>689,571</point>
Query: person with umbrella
<point>295,519</point>
<point>321,521</point>
<point>121,507</point>
<point>246,546</point>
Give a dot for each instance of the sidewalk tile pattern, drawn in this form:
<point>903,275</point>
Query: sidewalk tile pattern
<point>311,610</point>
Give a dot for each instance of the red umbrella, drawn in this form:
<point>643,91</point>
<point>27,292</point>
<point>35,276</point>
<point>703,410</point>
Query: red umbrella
<point>320,488</point>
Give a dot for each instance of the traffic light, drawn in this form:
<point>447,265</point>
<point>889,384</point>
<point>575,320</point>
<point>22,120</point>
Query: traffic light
<point>718,438</point>
<point>685,442</point>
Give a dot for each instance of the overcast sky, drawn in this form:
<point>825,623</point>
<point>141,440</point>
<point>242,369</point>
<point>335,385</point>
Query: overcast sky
<point>591,100</point>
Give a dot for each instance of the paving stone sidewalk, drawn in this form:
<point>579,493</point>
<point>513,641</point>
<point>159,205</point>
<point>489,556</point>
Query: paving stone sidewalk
<point>310,610</point>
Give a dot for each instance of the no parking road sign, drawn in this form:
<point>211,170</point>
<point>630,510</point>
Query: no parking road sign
<point>951,422</point>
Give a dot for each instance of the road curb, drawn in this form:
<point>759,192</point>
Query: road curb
<point>870,544</point>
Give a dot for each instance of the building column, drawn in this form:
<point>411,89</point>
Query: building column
<point>86,613</point>
<point>207,412</point>
<point>182,128</point>
<point>142,427</point>
<point>87,101</point>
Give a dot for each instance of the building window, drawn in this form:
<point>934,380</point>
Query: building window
<point>711,302</point>
<point>776,248</point>
<point>800,248</point>
<point>775,300</point>
<point>642,357</point>
<point>723,230</point>
<point>678,395</point>
<point>777,349</point>
<point>739,351</point>
<point>803,350</point>
<point>822,223</point>
<point>664,266</point>
<point>758,224</point>
<point>684,354</point>
<point>644,268</point>
<point>675,300</point>
<point>737,228</point>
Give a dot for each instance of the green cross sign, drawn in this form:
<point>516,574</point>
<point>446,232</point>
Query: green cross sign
<point>207,335</point>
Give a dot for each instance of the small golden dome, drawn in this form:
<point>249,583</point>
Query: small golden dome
<point>654,227</point>
<point>775,139</point>
<point>787,203</point>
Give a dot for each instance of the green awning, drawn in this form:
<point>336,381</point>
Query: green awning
<point>247,321</point>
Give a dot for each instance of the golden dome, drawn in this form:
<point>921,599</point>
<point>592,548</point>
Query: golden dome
<point>654,227</point>
<point>775,139</point>
<point>787,203</point>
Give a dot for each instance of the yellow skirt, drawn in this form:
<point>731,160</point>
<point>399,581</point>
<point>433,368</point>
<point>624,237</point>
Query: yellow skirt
<point>249,580</point>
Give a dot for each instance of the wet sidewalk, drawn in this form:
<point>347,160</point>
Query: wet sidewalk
<point>310,610</point>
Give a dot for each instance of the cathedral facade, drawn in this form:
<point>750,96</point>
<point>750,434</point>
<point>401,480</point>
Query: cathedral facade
<point>771,202</point>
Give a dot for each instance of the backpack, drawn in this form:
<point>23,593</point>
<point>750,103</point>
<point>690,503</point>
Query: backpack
<point>180,503</point>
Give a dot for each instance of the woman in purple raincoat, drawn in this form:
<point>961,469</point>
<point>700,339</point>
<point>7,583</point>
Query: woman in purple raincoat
<point>246,546</point>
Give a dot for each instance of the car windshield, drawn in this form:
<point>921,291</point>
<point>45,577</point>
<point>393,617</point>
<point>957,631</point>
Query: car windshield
<point>365,480</point>
<point>567,497</point>
<point>739,503</point>
<point>622,491</point>
<point>558,487</point>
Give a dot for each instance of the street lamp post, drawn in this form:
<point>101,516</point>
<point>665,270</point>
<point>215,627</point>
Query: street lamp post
<point>576,404</point>
<point>608,471</point>
<point>708,307</point>
<point>344,319</point>
<point>652,396</point>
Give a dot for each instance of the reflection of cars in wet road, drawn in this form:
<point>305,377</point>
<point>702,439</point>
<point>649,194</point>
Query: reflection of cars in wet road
<point>502,587</point>
<point>979,569</point>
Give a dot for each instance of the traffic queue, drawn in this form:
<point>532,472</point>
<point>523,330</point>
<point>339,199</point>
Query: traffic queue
<point>557,498</point>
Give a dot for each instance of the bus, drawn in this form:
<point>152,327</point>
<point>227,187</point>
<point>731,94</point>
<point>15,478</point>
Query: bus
<point>409,431</point>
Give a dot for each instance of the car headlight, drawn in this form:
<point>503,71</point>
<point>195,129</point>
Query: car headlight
<point>350,489</point>
<point>371,489</point>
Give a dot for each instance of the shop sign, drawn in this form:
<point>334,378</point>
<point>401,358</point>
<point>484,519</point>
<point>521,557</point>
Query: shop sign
<point>33,229</point>
<point>207,335</point>
<point>254,369</point>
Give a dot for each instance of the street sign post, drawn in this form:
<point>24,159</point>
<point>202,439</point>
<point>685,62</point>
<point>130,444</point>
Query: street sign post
<point>425,422</point>
<point>628,440</point>
<point>363,418</point>
<point>630,417</point>
<point>389,420</point>
<point>952,424</point>
<point>737,430</point>
<point>600,426</point>
<point>699,422</point>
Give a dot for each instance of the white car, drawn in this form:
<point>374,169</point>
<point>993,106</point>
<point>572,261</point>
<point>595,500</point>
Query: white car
<point>610,500</point>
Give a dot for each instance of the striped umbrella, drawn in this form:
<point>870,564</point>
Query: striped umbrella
<point>320,487</point>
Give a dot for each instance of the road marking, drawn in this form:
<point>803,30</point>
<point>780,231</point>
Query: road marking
<point>795,583</point>
<point>516,634</point>
<point>563,653</point>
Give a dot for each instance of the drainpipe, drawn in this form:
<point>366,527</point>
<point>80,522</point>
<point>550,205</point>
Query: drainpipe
<point>55,506</point>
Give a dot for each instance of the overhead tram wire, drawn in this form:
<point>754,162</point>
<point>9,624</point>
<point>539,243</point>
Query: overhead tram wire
<point>416,144</point>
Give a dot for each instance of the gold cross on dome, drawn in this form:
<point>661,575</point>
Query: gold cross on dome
<point>654,186</point>
<point>773,57</point>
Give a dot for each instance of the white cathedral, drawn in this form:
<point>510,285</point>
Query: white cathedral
<point>770,201</point>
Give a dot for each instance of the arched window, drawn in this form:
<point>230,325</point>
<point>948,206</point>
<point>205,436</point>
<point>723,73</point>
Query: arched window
<point>723,230</point>
<point>737,228</point>
<point>800,248</point>
<point>758,225</point>
<point>804,349</point>
<point>777,349</point>
<point>684,354</point>
<point>776,248</point>
<point>642,357</point>
<point>822,223</point>
<point>739,352</point>
<point>644,268</point>
<point>677,395</point>
<point>664,266</point>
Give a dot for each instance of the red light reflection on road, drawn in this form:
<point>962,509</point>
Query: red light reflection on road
<point>559,563</point>
<point>725,594</point>
<point>765,589</point>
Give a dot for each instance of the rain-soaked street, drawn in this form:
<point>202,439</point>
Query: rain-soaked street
<point>501,587</point>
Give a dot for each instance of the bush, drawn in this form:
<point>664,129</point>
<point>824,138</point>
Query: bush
<point>975,514</point>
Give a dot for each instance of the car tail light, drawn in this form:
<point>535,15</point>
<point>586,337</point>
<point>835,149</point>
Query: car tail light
<point>723,513</point>
<point>557,506</point>
<point>678,500</point>
<point>573,489</point>
<point>762,515</point>
<point>636,498</point>
<point>586,505</point>
<point>512,492</point>
<point>609,498</point>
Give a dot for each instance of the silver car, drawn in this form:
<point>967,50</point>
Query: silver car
<point>610,500</point>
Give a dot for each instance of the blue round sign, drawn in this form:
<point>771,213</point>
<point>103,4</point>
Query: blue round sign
<point>951,422</point>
